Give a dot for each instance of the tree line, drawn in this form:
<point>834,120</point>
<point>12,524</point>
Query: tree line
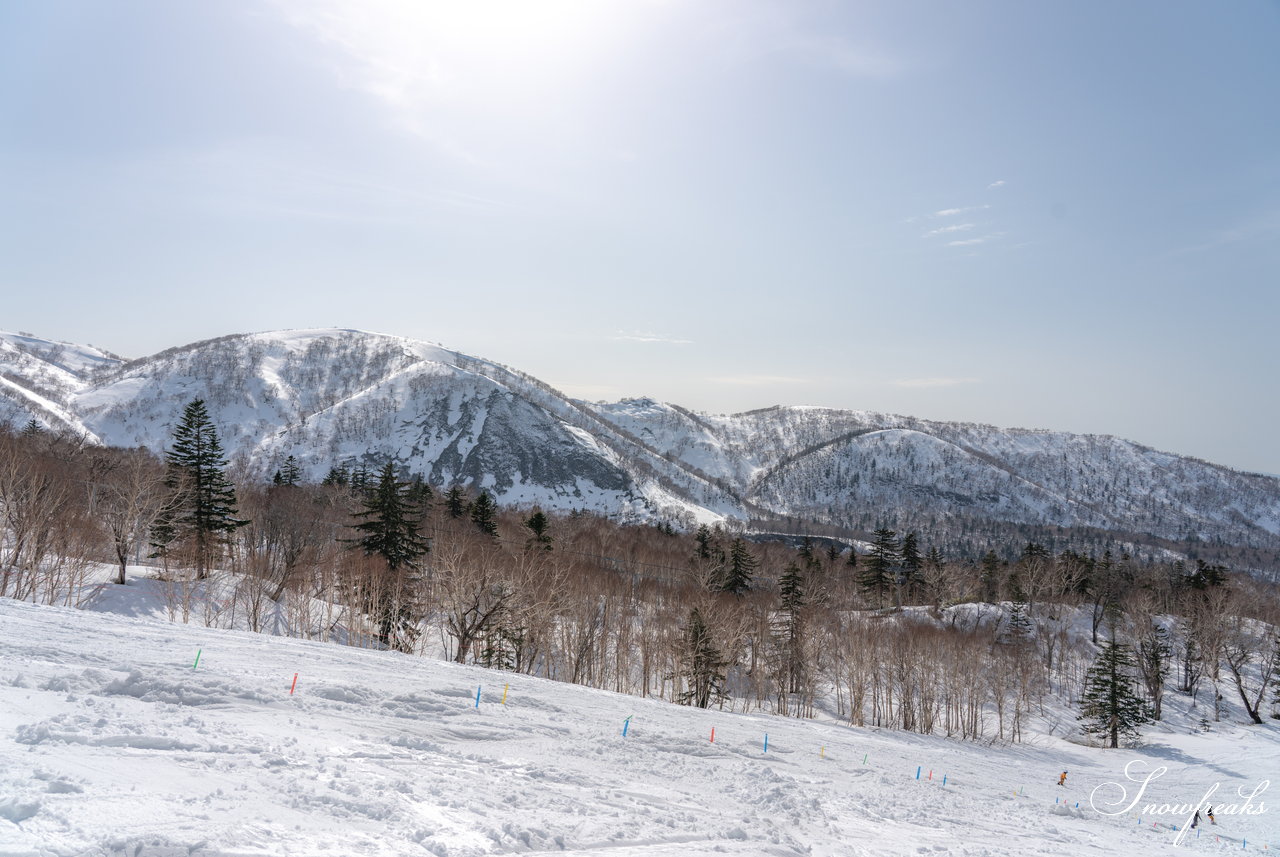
<point>891,632</point>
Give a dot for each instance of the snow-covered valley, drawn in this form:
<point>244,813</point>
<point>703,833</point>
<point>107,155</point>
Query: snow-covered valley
<point>114,740</point>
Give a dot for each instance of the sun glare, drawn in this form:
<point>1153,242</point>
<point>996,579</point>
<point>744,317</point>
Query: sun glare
<point>492,53</point>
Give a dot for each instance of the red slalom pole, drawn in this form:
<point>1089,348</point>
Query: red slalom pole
<point>713,734</point>
<point>295,684</point>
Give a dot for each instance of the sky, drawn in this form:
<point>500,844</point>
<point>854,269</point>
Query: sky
<point>1061,216</point>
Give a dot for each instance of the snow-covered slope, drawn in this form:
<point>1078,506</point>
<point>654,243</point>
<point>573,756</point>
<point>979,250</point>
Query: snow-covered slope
<point>346,397</point>
<point>39,376</point>
<point>113,743</point>
<point>865,469</point>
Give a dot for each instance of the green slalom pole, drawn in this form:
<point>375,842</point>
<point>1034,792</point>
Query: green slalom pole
<point>197,663</point>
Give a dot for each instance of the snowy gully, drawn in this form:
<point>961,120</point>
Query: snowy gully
<point>1133,773</point>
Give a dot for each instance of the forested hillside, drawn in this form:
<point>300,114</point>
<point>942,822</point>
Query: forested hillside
<point>351,399</point>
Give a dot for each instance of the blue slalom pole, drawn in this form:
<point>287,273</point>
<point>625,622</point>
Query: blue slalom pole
<point>477,697</point>
<point>766,742</point>
<point>918,771</point>
<point>626,724</point>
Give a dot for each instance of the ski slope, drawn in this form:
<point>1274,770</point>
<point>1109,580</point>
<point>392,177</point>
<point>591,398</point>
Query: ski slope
<point>114,742</point>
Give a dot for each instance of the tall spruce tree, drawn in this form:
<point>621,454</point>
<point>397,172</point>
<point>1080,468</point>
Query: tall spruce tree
<point>455,502</point>
<point>705,543</point>
<point>1109,706</point>
<point>806,551</point>
<point>789,629</point>
<point>484,514</point>
<point>388,524</point>
<point>540,525</point>
<point>337,476</point>
<point>388,528</point>
<point>289,473</point>
<point>201,512</point>
<point>421,496</point>
<point>989,577</point>
<point>912,566</point>
<point>879,571</point>
<point>738,574</point>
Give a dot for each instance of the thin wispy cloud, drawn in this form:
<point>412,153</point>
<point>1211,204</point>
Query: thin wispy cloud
<point>952,212</point>
<point>955,227</point>
<point>997,183</point>
<point>639,336</point>
<point>934,382</point>
<point>970,242</point>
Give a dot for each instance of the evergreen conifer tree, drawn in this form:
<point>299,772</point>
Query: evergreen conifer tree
<point>455,502</point>
<point>337,476</point>
<point>806,550</point>
<point>484,514</point>
<point>790,631</point>
<point>388,527</point>
<point>1109,706</point>
<point>879,571</point>
<point>705,541</point>
<point>420,495</point>
<point>388,524</point>
<point>1019,628</point>
<point>360,479</point>
<point>289,473</point>
<point>912,565</point>
<point>540,525</point>
<point>202,508</point>
<point>702,664</point>
<point>989,577</point>
<point>742,563</point>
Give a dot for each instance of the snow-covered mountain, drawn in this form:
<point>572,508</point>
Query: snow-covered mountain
<point>348,397</point>
<point>864,469</point>
<point>38,377</point>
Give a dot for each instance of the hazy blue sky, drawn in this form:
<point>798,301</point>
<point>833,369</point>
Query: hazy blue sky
<point>1050,215</point>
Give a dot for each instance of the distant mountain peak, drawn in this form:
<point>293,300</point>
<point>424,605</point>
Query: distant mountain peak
<point>344,396</point>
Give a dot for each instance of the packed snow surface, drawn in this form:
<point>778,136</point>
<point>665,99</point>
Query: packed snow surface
<point>113,741</point>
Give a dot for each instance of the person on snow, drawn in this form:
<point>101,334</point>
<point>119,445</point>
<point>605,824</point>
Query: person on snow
<point>1062,779</point>
<point>1209,812</point>
<point>1195,821</point>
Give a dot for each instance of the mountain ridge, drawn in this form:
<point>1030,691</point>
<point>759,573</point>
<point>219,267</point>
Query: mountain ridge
<point>343,396</point>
